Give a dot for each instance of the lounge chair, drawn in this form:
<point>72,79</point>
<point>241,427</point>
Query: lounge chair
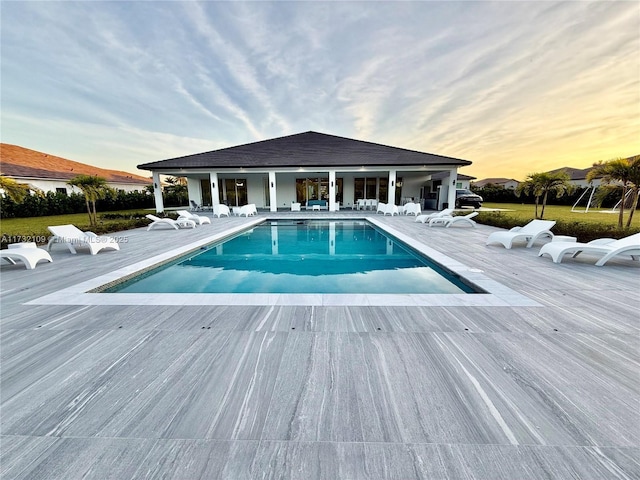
<point>169,222</point>
<point>29,255</point>
<point>295,206</point>
<point>220,209</point>
<point>607,247</point>
<point>448,221</point>
<point>531,232</point>
<point>442,213</point>
<point>194,206</point>
<point>73,237</point>
<point>200,220</point>
<point>249,209</point>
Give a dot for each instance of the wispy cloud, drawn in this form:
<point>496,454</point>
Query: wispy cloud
<point>512,86</point>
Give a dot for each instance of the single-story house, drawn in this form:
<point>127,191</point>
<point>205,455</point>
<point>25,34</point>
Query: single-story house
<point>312,167</point>
<point>506,183</point>
<point>50,173</point>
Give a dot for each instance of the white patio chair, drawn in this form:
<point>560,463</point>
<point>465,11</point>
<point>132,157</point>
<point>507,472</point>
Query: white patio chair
<point>295,206</point>
<point>381,207</point>
<point>442,213</point>
<point>169,222</point>
<point>247,210</point>
<point>73,237</point>
<point>607,247</point>
<point>449,221</point>
<point>221,209</point>
<point>199,219</point>
<point>29,255</point>
<point>531,232</point>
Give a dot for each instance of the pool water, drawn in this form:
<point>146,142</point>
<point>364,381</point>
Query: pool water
<point>305,256</point>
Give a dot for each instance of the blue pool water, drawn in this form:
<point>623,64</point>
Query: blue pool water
<point>305,256</point>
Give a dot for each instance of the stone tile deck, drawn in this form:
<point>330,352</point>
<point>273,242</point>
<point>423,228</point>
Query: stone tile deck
<point>326,392</point>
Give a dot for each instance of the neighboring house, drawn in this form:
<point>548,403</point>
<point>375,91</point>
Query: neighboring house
<point>506,183</point>
<point>51,174</point>
<point>311,166</point>
<point>578,176</point>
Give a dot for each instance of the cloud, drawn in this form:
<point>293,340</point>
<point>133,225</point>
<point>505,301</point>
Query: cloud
<point>512,86</point>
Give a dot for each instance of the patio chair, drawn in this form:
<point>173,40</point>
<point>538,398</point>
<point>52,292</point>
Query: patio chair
<point>247,210</point>
<point>73,237</point>
<point>200,220</point>
<point>29,255</point>
<point>449,221</point>
<point>194,206</point>
<point>295,206</point>
<point>530,233</point>
<point>412,209</point>
<point>442,213</point>
<point>169,222</point>
<point>221,209</point>
<point>381,207</point>
<point>391,209</point>
<point>607,247</point>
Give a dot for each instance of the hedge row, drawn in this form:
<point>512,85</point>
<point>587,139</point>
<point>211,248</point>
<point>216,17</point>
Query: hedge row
<point>58,203</point>
<point>583,231</point>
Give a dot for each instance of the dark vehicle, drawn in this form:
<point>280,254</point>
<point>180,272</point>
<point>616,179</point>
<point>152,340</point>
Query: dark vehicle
<point>466,197</point>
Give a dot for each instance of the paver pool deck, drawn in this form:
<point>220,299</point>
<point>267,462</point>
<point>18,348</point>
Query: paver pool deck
<point>550,390</point>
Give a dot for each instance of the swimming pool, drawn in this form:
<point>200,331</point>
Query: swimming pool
<point>301,256</point>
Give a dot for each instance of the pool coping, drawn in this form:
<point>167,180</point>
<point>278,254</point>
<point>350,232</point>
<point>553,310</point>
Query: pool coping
<point>498,295</point>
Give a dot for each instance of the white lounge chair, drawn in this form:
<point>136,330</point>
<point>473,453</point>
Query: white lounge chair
<point>530,233</point>
<point>247,210</point>
<point>73,237</point>
<point>448,221</point>
<point>221,209</point>
<point>200,220</point>
<point>295,206</point>
<point>442,213</point>
<point>29,255</point>
<point>607,247</point>
<point>169,222</point>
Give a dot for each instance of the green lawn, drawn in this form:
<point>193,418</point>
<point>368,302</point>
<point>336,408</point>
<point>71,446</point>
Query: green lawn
<point>32,229</point>
<point>563,213</point>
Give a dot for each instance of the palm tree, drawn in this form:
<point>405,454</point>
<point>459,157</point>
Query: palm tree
<point>625,171</point>
<point>93,188</point>
<point>540,184</point>
<point>14,190</point>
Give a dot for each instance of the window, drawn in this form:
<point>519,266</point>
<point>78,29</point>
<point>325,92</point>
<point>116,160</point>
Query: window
<point>61,190</point>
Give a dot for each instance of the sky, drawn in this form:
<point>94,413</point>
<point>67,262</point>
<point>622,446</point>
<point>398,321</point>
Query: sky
<point>516,87</point>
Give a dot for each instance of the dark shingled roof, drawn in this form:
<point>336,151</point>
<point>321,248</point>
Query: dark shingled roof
<point>310,149</point>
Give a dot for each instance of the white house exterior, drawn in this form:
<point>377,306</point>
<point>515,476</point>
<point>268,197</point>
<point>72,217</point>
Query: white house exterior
<point>312,167</point>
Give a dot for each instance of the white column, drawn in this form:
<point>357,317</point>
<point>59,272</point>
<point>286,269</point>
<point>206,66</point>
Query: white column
<point>332,190</point>
<point>453,178</point>
<point>272,192</point>
<point>213,182</point>
<point>157,192</point>
<point>391,188</point>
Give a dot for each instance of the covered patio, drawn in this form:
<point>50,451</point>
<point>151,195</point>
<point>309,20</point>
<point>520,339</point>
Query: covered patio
<point>334,171</point>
